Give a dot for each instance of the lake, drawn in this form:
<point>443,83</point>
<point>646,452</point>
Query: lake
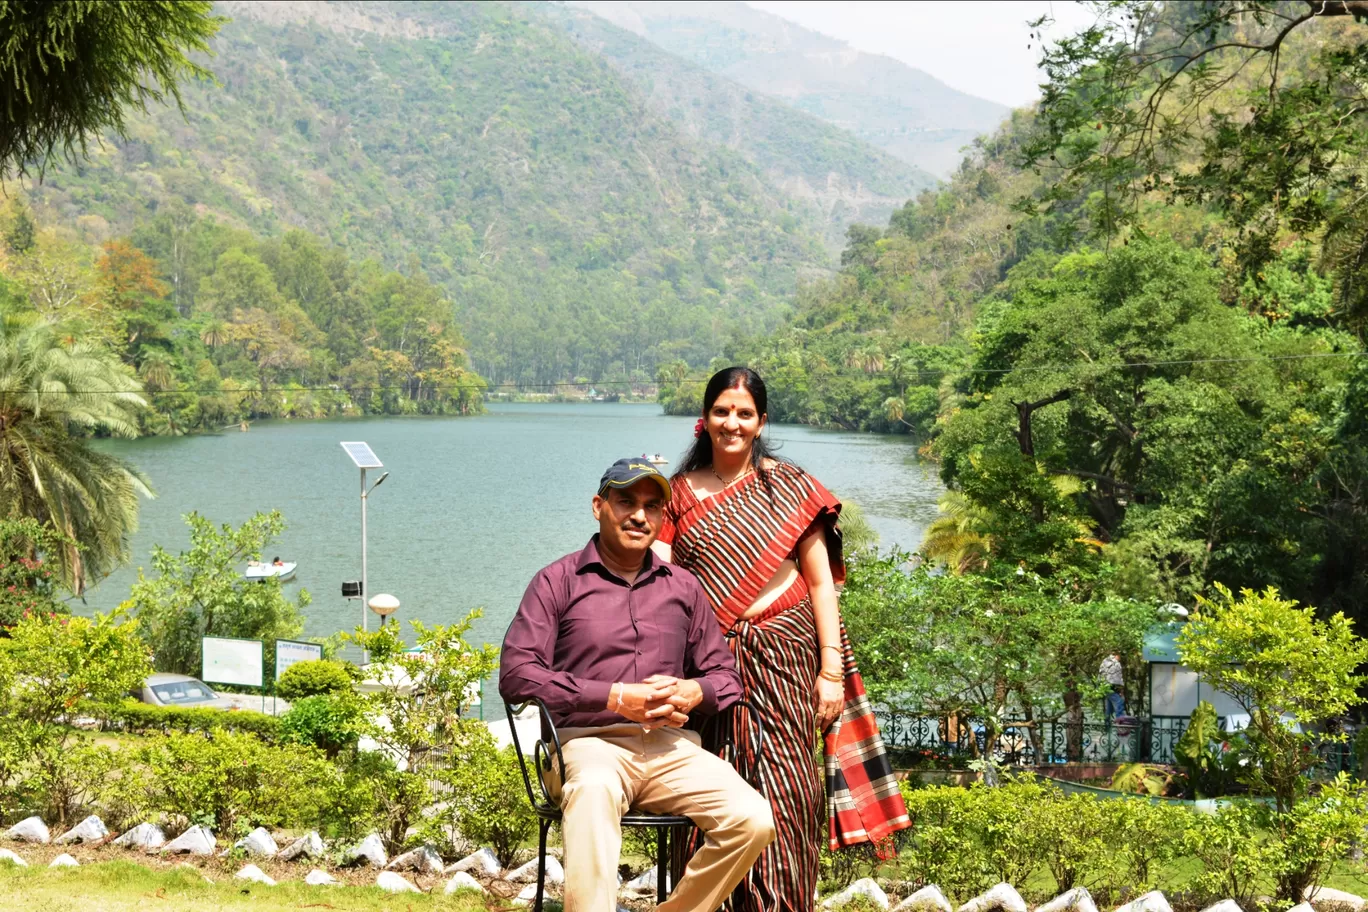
<point>472,508</point>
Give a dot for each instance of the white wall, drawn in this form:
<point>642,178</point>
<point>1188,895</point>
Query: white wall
<point>1174,691</point>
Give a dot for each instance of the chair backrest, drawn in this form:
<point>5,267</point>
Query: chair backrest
<point>540,758</point>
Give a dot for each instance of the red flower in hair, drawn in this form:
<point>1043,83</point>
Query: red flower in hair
<point>698,428</point>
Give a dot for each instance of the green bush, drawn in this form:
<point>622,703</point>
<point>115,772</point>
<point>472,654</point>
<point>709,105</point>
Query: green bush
<point>140,718</point>
<point>233,782</point>
<point>311,679</point>
<point>488,802</point>
<point>330,722</point>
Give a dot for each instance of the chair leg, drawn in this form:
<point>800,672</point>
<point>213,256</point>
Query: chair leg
<point>541,863</point>
<point>662,862</point>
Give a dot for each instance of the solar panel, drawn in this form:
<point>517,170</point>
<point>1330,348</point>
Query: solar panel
<point>363,455</point>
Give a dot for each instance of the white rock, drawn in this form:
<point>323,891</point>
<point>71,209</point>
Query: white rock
<point>369,851</point>
<point>1076,900</point>
<point>317,878</point>
<point>255,875</point>
<point>395,883</point>
<point>928,899</point>
<point>423,859</point>
<point>1325,896</point>
<point>527,896</point>
<point>463,881</point>
<point>64,861</point>
<point>555,874</point>
<point>865,887</point>
<point>1003,896</point>
<point>7,855</point>
<point>258,842</point>
<point>484,863</point>
<point>92,829</point>
<point>642,883</point>
<point>1154,901</point>
<point>197,840</point>
<point>1225,905</point>
<point>143,836</point>
<point>1301,907</point>
<point>30,829</point>
<point>307,846</point>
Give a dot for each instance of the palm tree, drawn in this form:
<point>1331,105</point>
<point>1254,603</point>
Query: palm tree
<point>50,395</point>
<point>953,538</point>
<point>158,371</point>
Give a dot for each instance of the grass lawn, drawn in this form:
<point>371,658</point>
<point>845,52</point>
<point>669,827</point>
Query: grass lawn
<point>122,886</point>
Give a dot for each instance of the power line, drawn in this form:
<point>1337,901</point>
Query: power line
<point>560,384</point>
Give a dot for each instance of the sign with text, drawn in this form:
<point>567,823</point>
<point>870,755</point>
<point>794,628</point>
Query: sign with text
<point>228,660</point>
<point>288,652</point>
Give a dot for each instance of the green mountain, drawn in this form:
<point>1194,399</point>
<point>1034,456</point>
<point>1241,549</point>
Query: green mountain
<point>580,232</point>
<point>889,104</point>
<point>847,179</point>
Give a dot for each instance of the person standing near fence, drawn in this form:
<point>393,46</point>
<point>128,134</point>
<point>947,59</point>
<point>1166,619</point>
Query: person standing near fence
<point>1114,704</point>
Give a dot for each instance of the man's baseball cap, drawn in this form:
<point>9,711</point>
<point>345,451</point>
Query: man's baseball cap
<point>626,472</point>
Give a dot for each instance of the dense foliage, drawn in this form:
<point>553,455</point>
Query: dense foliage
<point>213,325</point>
<point>69,71</point>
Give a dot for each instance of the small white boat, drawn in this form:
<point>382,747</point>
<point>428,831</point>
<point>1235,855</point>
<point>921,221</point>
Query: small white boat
<point>284,572</point>
<point>657,459</point>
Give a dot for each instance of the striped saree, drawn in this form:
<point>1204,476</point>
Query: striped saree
<point>734,543</point>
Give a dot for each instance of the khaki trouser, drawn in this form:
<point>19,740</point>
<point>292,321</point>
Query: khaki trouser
<point>665,771</point>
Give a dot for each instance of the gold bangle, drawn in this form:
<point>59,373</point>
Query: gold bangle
<point>837,648</point>
<point>831,676</point>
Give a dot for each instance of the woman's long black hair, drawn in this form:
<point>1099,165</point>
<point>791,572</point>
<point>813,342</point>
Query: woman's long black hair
<point>700,455</point>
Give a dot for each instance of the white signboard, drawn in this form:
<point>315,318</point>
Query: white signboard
<point>288,652</point>
<point>231,661</point>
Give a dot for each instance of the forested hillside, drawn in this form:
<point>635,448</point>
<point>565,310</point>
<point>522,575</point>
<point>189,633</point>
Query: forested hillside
<point>897,108</point>
<point>848,179</point>
<point>1131,330</point>
<point>579,233</point>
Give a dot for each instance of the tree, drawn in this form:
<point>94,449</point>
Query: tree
<point>1282,665</point>
<point>55,668</point>
<point>50,394</point>
<point>416,712</point>
<point>27,586</point>
<point>68,71</point>
<point>202,592</point>
<point>1252,106</point>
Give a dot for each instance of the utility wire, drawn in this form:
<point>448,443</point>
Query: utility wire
<point>956,372</point>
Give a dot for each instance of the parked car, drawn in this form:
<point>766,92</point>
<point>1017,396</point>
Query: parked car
<point>167,689</point>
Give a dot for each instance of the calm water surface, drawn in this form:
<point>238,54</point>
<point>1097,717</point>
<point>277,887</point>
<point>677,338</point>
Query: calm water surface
<point>473,506</point>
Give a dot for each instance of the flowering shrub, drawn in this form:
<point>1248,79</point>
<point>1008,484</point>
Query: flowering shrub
<point>26,582</point>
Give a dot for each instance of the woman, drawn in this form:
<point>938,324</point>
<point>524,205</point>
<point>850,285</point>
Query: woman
<point>761,536</point>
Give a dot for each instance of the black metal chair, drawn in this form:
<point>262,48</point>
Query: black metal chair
<point>548,812</point>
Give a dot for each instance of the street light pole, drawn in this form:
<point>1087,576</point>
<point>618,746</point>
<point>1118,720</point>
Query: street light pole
<point>365,590</point>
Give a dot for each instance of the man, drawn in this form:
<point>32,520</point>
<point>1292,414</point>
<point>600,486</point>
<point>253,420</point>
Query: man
<point>623,648</point>
<point>1114,704</point>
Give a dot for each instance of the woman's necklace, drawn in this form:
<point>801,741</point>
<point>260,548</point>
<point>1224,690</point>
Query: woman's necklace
<point>728,484</point>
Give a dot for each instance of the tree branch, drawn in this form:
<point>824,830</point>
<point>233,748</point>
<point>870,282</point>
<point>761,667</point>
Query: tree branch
<point>1024,411</point>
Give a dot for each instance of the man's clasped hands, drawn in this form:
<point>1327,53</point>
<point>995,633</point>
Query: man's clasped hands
<point>660,701</point>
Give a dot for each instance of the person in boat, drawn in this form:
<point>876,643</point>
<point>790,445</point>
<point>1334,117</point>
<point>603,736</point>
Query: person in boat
<point>277,562</point>
<point>762,537</point>
<point>623,649</point>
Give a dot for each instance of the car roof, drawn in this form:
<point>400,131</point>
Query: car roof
<point>168,677</point>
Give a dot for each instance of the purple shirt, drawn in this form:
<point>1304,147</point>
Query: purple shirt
<point>581,628</point>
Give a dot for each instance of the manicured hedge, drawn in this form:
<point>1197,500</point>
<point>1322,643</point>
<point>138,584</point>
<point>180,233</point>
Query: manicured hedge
<point>132,716</point>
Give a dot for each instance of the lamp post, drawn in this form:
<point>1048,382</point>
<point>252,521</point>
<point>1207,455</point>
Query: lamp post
<point>364,458</point>
<point>384,605</point>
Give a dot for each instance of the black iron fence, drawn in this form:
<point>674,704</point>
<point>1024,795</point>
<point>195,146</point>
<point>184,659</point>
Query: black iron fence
<point>915,740</point>
<point>927,741</point>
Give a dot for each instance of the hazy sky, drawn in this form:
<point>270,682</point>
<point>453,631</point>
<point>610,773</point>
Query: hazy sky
<point>976,46</point>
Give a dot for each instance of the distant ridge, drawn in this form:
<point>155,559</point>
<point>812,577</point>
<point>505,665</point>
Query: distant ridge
<point>846,178</point>
<point>885,102</point>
